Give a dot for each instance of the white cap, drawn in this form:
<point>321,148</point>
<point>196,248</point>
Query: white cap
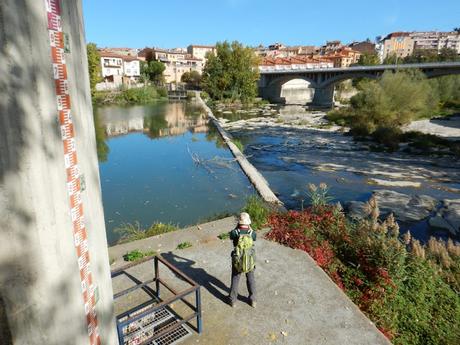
<point>244,219</point>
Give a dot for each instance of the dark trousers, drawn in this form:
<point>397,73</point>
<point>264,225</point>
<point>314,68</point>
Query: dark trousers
<point>250,283</point>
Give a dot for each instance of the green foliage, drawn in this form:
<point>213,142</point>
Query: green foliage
<point>410,291</point>
<point>133,231</point>
<point>152,71</point>
<point>393,101</point>
<point>192,79</point>
<point>184,245</point>
<point>101,137</point>
<point>319,195</point>
<point>238,144</point>
<point>224,236</point>
<point>138,95</point>
<point>231,73</point>
<point>258,210</point>
<point>94,66</point>
<point>368,59</point>
<point>432,55</point>
<point>136,254</point>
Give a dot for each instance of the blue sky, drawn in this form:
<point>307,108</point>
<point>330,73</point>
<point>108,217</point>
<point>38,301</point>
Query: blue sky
<point>178,23</point>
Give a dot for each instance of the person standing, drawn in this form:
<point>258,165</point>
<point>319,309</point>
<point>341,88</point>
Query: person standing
<point>243,258</point>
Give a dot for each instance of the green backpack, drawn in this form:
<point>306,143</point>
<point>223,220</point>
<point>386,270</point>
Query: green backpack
<point>244,259</point>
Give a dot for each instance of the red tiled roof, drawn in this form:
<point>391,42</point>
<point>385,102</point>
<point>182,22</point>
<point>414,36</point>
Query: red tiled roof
<point>294,60</point>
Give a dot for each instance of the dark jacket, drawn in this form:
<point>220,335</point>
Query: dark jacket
<point>243,230</point>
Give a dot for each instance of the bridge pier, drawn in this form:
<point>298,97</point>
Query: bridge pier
<point>324,97</point>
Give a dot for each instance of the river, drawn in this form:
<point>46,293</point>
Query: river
<point>294,147</point>
<point>164,163</point>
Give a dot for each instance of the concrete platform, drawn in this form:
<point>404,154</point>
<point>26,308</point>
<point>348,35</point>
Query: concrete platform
<point>297,302</point>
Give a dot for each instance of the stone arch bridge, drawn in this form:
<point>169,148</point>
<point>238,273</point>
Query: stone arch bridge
<point>322,80</point>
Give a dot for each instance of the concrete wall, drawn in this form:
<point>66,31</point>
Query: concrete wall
<point>297,91</point>
<point>40,294</point>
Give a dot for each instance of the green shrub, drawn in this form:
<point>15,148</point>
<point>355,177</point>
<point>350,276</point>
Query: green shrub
<point>238,144</point>
<point>258,210</point>
<point>388,136</point>
<point>136,254</point>
<point>133,231</point>
<point>224,236</point>
<point>410,291</point>
<point>184,245</point>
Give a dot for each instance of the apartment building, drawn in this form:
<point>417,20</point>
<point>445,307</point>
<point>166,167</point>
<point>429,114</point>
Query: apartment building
<point>344,57</point>
<point>435,40</point>
<point>200,51</point>
<point>400,44</point>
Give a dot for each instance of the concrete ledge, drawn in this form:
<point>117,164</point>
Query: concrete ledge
<point>259,182</point>
<point>297,301</point>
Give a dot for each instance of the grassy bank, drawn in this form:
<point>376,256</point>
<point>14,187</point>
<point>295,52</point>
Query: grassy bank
<point>411,292</point>
<point>141,95</point>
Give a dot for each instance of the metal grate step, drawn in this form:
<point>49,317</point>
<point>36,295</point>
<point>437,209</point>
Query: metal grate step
<point>146,327</point>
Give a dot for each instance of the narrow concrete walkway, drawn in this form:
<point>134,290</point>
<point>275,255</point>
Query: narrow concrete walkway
<point>297,302</point>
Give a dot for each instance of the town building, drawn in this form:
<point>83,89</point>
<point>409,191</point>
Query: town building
<point>177,62</point>
<point>123,51</point>
<point>111,67</point>
<point>344,57</point>
<point>293,63</point>
<point>131,67</point>
<point>435,40</point>
<point>400,44</point>
<point>117,69</point>
<point>364,47</point>
<point>200,51</point>
<point>330,47</point>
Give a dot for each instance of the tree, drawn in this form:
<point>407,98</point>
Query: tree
<point>457,29</point>
<point>231,73</point>
<point>393,101</point>
<point>448,54</point>
<point>152,70</point>
<point>391,59</point>
<point>192,78</point>
<point>422,55</point>
<point>94,66</point>
<point>368,59</point>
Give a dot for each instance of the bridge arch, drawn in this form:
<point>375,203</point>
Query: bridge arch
<point>280,90</point>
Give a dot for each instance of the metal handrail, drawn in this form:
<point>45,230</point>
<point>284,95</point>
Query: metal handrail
<point>177,295</point>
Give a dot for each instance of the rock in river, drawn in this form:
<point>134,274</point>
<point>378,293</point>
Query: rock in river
<point>406,208</point>
<point>448,217</point>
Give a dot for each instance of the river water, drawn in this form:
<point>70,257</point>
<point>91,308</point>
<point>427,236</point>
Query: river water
<point>164,163</point>
<point>291,153</point>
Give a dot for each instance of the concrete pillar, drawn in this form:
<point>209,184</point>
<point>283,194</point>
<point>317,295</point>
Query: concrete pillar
<point>324,97</point>
<point>272,93</point>
<point>40,291</point>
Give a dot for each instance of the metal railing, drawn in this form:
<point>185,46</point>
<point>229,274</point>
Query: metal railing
<point>147,309</point>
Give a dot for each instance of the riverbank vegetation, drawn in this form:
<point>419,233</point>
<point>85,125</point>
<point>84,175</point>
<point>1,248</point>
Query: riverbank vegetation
<point>133,231</point>
<point>232,73</point>
<point>382,107</point>
<point>410,291</point>
<point>128,96</point>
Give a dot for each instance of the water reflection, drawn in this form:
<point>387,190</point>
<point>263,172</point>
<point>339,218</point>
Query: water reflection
<point>156,120</point>
<point>147,169</point>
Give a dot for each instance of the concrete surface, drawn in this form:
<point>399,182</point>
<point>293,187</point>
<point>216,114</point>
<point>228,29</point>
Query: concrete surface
<point>297,302</point>
<point>259,182</point>
<point>40,291</point>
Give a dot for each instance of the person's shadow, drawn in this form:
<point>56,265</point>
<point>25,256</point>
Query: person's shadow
<point>199,275</point>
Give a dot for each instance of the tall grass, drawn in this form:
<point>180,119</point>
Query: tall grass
<point>258,210</point>
<point>133,231</point>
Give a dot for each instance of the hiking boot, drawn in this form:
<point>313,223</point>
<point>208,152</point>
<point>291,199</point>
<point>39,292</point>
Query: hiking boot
<point>253,304</point>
